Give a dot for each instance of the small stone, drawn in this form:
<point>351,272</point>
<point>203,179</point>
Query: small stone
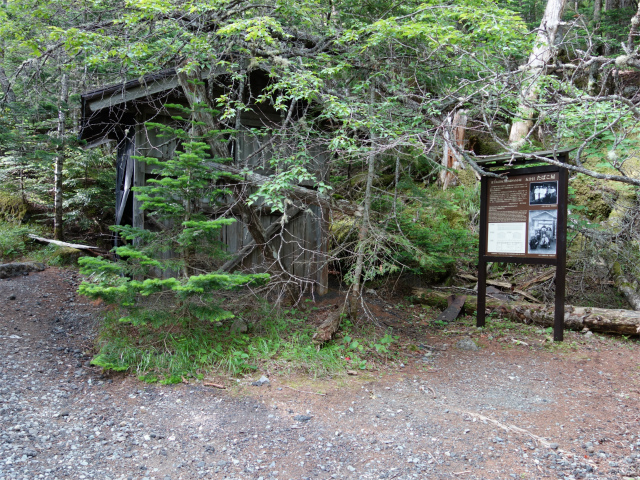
<point>239,326</point>
<point>467,344</point>
<point>553,446</point>
<point>263,381</point>
<point>302,418</point>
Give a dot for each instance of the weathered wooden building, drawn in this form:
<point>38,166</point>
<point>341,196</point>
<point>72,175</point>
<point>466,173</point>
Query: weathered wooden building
<point>119,114</point>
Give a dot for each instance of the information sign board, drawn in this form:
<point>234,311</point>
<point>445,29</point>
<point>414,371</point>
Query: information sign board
<point>522,215</point>
<point>523,219</point>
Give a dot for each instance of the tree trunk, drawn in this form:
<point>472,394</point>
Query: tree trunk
<point>8,95</point>
<point>453,133</point>
<point>542,53</point>
<point>58,231</point>
<point>621,322</point>
<point>594,69</point>
<point>633,31</point>
<point>627,288</point>
<point>597,13</point>
<point>193,86</point>
<point>289,215</point>
<point>363,233</point>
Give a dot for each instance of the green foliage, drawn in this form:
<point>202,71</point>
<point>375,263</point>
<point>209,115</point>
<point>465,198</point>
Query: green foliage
<point>14,242</point>
<point>12,208</point>
<point>150,344</point>
<point>165,262</point>
<point>88,187</point>
<point>438,224</point>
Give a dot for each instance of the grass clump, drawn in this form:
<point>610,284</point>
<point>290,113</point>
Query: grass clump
<point>157,348</point>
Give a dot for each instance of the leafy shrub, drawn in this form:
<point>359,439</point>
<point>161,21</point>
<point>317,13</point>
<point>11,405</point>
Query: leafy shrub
<point>14,240</point>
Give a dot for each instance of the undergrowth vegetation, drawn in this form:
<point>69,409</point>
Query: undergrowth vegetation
<point>157,348</point>
<point>14,240</point>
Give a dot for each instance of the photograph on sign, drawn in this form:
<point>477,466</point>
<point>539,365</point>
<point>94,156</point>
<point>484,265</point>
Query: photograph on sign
<point>543,193</point>
<point>507,237</point>
<point>543,225</point>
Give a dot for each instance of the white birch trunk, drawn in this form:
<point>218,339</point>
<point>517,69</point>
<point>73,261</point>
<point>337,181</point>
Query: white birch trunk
<point>8,94</point>
<point>543,52</point>
<point>58,232</point>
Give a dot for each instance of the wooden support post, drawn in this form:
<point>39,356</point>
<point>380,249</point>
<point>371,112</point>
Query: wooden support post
<point>561,254</point>
<point>482,263</point>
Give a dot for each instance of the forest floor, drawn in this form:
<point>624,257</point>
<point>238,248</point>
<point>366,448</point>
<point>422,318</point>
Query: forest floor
<point>518,407</point>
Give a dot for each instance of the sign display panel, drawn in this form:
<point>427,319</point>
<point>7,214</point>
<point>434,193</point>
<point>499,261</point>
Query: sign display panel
<point>522,215</point>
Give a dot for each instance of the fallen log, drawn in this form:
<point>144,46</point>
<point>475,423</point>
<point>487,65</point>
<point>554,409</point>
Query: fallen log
<point>495,283</point>
<point>62,244</point>
<point>539,279</point>
<point>329,326</point>
<point>603,320</point>
<point>504,285</point>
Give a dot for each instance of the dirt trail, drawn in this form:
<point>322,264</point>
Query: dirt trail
<point>497,413</point>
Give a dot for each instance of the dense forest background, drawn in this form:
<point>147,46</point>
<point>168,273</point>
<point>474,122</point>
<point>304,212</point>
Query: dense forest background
<point>381,85</point>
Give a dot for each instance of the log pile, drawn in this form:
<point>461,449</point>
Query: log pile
<point>602,320</point>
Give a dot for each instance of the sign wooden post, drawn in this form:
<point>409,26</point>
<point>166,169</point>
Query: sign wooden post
<point>523,219</point>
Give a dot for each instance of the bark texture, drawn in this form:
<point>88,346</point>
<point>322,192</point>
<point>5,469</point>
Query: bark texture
<point>269,232</point>
<point>363,232</point>
<point>58,231</point>
<point>7,91</point>
<point>543,52</point>
<point>329,327</point>
<point>193,86</point>
<point>453,133</point>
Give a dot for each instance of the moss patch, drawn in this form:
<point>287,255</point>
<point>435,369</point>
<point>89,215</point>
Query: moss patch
<point>597,197</point>
<point>66,256</point>
<point>12,208</point>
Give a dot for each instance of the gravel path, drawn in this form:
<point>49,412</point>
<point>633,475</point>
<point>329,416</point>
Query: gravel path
<point>497,413</point>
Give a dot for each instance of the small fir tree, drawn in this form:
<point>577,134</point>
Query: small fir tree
<point>183,240</point>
